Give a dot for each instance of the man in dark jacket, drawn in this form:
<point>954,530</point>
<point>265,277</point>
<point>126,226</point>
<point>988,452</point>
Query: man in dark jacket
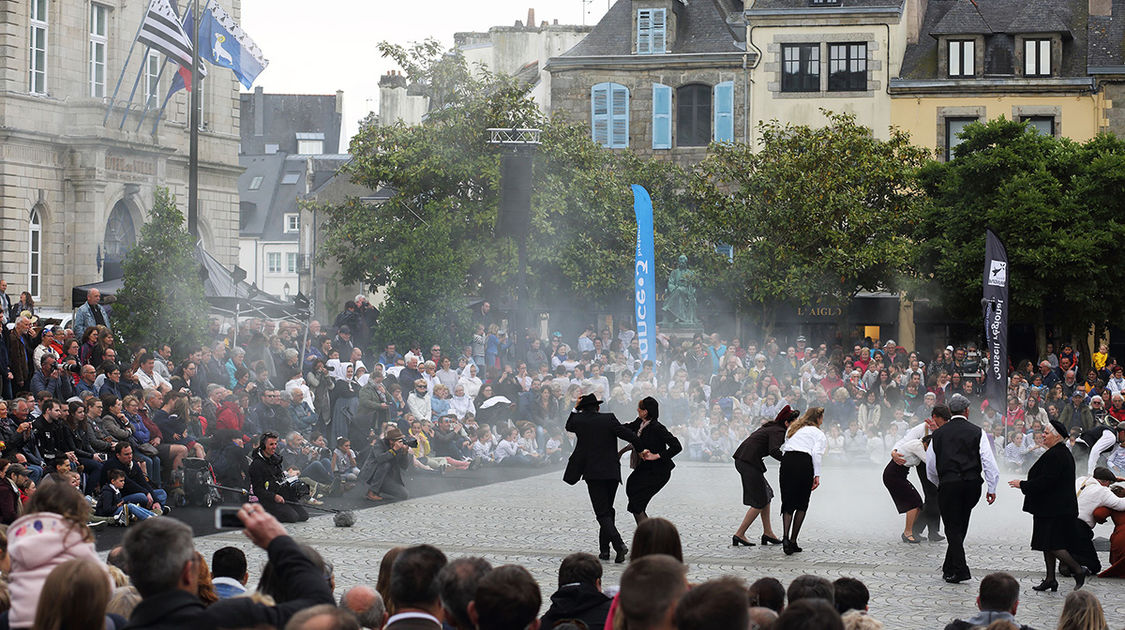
<point>162,568</point>
<point>595,459</point>
<point>138,489</point>
<point>266,478</point>
<point>580,593</point>
<point>50,378</point>
<point>382,472</point>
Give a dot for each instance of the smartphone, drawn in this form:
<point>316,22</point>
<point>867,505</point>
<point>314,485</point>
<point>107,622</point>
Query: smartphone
<point>227,518</point>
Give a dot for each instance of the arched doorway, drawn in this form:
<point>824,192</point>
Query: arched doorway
<point>120,237</point>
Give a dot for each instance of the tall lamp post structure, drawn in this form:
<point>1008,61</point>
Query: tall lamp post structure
<point>518,147</point>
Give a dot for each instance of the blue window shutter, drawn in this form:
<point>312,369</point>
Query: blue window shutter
<point>618,116</point>
<point>661,116</point>
<point>658,40</point>
<point>644,31</point>
<point>724,112</point>
<point>599,113</point>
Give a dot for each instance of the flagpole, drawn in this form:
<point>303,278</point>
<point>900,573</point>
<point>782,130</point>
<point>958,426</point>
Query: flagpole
<point>159,76</point>
<point>193,150</point>
<point>133,92</point>
<point>124,67</point>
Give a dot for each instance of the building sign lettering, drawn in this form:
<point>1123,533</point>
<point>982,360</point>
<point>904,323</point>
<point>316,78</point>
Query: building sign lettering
<point>130,168</point>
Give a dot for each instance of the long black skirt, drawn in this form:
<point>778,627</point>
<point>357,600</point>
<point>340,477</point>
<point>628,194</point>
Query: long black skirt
<point>1049,533</point>
<point>756,490</point>
<point>796,479</point>
<point>642,485</point>
<point>903,493</point>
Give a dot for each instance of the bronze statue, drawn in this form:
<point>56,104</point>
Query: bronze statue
<point>679,303</point>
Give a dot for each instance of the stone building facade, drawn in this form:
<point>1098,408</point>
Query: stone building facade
<point>662,78</point>
<point>74,192</point>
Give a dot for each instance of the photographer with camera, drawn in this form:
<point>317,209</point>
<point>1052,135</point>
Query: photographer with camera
<point>279,497</point>
<point>51,378</point>
<point>382,472</point>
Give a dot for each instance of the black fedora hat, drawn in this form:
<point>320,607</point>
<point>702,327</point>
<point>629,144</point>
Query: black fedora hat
<point>589,400</point>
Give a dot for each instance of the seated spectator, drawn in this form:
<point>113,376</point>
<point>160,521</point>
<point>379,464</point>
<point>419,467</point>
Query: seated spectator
<point>998,600</point>
<point>811,587</point>
<point>161,565</point>
<point>1082,611</point>
<point>507,598</point>
<point>75,595</point>
<point>366,604</point>
<point>650,589</point>
<point>458,582</point>
<point>656,536</point>
<point>415,590</point>
<point>850,594</point>
<point>809,614</point>
<point>580,593</point>
<point>323,617</point>
<point>112,503</point>
<point>767,592</point>
<point>228,572</point>
<point>859,620</point>
<point>718,604</point>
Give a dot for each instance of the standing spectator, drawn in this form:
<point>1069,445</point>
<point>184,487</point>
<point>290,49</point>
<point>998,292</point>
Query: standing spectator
<point>415,589</point>
<point>90,314</point>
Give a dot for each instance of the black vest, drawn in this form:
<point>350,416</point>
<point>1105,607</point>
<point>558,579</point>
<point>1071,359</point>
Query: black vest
<point>956,447</point>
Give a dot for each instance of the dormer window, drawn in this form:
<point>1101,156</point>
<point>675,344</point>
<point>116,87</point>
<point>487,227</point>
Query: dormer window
<point>651,31</point>
<point>1037,57</point>
<point>824,3</point>
<point>962,58</point>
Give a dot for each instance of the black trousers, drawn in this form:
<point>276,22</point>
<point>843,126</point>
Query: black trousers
<point>930,516</point>
<point>286,512</point>
<point>602,493</point>
<point>957,499</point>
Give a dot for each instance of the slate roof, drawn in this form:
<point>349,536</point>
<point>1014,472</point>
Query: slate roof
<point>999,21</point>
<point>805,4</point>
<point>277,118</point>
<point>1106,34</point>
<point>702,28</point>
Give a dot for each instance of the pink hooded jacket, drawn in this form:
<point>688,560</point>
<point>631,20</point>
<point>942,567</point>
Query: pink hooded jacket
<point>38,543</point>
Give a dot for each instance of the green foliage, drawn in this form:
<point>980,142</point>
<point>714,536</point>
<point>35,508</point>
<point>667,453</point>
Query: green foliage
<point>814,214</point>
<point>432,243</point>
<point>162,300</point>
<point>1055,203</point>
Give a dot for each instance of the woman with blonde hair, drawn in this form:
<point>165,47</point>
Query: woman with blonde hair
<point>1082,611</point>
<point>804,445</point>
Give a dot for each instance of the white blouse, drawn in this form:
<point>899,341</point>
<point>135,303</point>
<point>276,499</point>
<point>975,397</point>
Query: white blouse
<point>912,451</point>
<point>808,439</point>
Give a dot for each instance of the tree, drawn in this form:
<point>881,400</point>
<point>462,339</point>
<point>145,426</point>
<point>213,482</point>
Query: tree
<point>814,215</point>
<point>162,300</point>
<point>432,243</point>
<point>1055,203</point>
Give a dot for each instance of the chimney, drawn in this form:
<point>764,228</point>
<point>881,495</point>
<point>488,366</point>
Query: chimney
<point>259,111</point>
<point>339,101</point>
<point>531,17</point>
<point>1101,8</point>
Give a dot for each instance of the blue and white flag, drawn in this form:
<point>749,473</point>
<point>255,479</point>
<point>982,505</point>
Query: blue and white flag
<point>224,43</point>
<point>644,273</point>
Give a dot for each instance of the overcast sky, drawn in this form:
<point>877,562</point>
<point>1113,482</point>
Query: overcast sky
<point>330,45</point>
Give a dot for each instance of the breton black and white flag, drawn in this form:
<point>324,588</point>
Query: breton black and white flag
<point>162,31</point>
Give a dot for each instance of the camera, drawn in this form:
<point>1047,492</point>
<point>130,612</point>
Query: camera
<point>410,441</point>
<point>294,491</point>
<point>73,368</point>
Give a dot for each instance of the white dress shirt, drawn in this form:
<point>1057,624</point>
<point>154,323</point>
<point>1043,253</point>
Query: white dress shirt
<point>807,439</point>
<point>156,381</point>
<point>916,432</point>
<point>1105,445</point>
<point>987,463</point>
<point>912,451</point>
<point>1092,495</point>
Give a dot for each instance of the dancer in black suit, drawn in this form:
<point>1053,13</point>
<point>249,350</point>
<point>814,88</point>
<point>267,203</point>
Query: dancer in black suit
<point>651,460</point>
<point>749,459</point>
<point>595,459</point>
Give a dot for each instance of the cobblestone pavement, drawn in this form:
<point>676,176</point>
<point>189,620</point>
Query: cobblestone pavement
<point>851,530</point>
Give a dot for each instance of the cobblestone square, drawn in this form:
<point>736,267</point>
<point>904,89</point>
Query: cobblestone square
<point>852,530</point>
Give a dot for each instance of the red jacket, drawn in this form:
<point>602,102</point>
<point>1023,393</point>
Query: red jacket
<point>229,416</point>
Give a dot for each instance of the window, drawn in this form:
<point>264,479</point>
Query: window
<point>37,65</point>
<point>609,119</point>
<point>800,68</point>
<point>724,112</point>
<point>962,58</point>
<point>1037,57</point>
<point>693,116</point>
<point>651,31</point>
<point>821,3</point>
<point>256,183</point>
<point>273,262</point>
<point>1044,125</point>
<point>153,64</point>
<point>34,253</point>
<point>292,223</point>
<point>272,148</point>
<point>847,67</point>
<point>661,116</point>
<point>290,178</point>
<point>99,28</point>
<point>291,262</point>
<point>953,128</point>
<point>310,147</point>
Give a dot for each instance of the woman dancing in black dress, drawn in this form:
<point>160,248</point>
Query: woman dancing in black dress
<point>651,460</point>
<point>756,491</point>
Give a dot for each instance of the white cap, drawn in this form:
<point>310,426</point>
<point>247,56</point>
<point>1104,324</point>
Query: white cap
<point>949,348</point>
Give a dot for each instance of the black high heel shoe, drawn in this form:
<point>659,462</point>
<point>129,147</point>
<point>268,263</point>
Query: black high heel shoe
<point>910,539</point>
<point>1080,579</point>
<point>737,541</point>
<point>787,547</point>
<point>1048,585</point>
<point>770,540</point>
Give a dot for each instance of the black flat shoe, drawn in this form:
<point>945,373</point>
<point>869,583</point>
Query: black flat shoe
<point>770,540</point>
<point>1047,585</point>
<point>787,547</point>
<point>1080,579</point>
<point>910,539</point>
<point>736,541</point>
<point>936,538</point>
<point>622,553</point>
<point>957,579</point>
<point>796,549</point>
<point>603,555</point>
